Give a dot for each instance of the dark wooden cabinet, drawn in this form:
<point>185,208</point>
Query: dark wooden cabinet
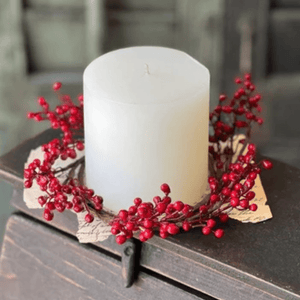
<point>41,260</point>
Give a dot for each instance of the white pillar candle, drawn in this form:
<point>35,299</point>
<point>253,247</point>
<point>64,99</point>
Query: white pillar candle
<point>146,123</point>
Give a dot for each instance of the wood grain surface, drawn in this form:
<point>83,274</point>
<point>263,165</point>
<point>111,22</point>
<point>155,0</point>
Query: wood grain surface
<point>40,263</point>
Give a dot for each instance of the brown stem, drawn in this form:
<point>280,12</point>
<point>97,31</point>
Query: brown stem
<point>72,165</point>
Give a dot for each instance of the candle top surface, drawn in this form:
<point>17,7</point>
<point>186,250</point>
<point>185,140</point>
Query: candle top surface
<point>146,75</point>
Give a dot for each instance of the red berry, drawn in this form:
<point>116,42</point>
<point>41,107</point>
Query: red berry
<point>226,191</point>
<point>148,223</point>
<point>178,205</point>
<point>163,234</point>
<point>219,233</point>
<point>240,110</point>
<point>214,198</point>
<point>56,86</point>
<point>28,184</point>
<point>78,208</point>
<point>50,206</point>
<point>186,226</point>
<point>41,100</point>
<point>222,97</point>
<point>142,237</point>
<point>173,229</point>
<point>238,187</point>
<point>156,199</point>
<point>268,165</point>
<point>237,95</point>
<point>114,231</point>
<point>132,210</point>
<point>241,91</point>
<point>250,195</point>
<point>130,225</point>
<point>211,223</point>
<point>42,200</point>
<point>241,124</point>
<point>252,147</point>
<point>238,80</point>
<point>249,116</point>
<point>80,146</point>
<point>187,209</point>
<point>253,207</point>
<point>213,186</point>
<point>225,178</point>
<point>249,184</point>
<point>260,121</point>
<point>30,115</point>
<point>206,230</point>
<point>227,109</point>
<point>234,194</point>
<point>165,188</point>
<point>69,205</point>
<point>148,233</point>
<point>234,202</point>
<point>203,209</point>
<point>252,175</point>
<point>137,201</point>
<point>161,207</point>
<point>167,200</point>
<point>123,214</point>
<point>59,206</point>
<point>89,218</point>
<point>121,239</point>
<point>247,76</point>
<point>244,203</point>
<point>48,215</point>
<point>223,218</point>
<point>218,109</point>
<point>97,199</point>
<point>142,212</point>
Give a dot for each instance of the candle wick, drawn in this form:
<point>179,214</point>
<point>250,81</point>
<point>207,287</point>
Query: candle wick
<point>147,69</point>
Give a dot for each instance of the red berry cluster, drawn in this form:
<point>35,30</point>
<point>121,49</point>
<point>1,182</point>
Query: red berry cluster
<point>69,118</point>
<point>230,183</point>
<point>232,191</point>
<point>231,115</point>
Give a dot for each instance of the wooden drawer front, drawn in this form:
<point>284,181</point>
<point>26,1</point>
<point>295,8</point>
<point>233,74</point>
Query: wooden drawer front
<point>38,262</point>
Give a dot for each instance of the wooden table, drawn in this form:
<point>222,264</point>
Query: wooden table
<point>42,260</point>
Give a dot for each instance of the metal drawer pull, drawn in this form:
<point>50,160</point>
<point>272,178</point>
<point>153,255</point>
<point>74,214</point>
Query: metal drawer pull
<point>128,263</point>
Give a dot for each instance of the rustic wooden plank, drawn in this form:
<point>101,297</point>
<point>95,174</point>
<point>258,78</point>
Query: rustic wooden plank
<point>143,17</point>
<point>61,268</point>
<point>55,3</point>
<point>141,5</point>
<point>95,29</point>
<point>12,71</point>
<point>255,266</point>
<point>284,41</point>
<point>285,3</point>
<point>199,29</point>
